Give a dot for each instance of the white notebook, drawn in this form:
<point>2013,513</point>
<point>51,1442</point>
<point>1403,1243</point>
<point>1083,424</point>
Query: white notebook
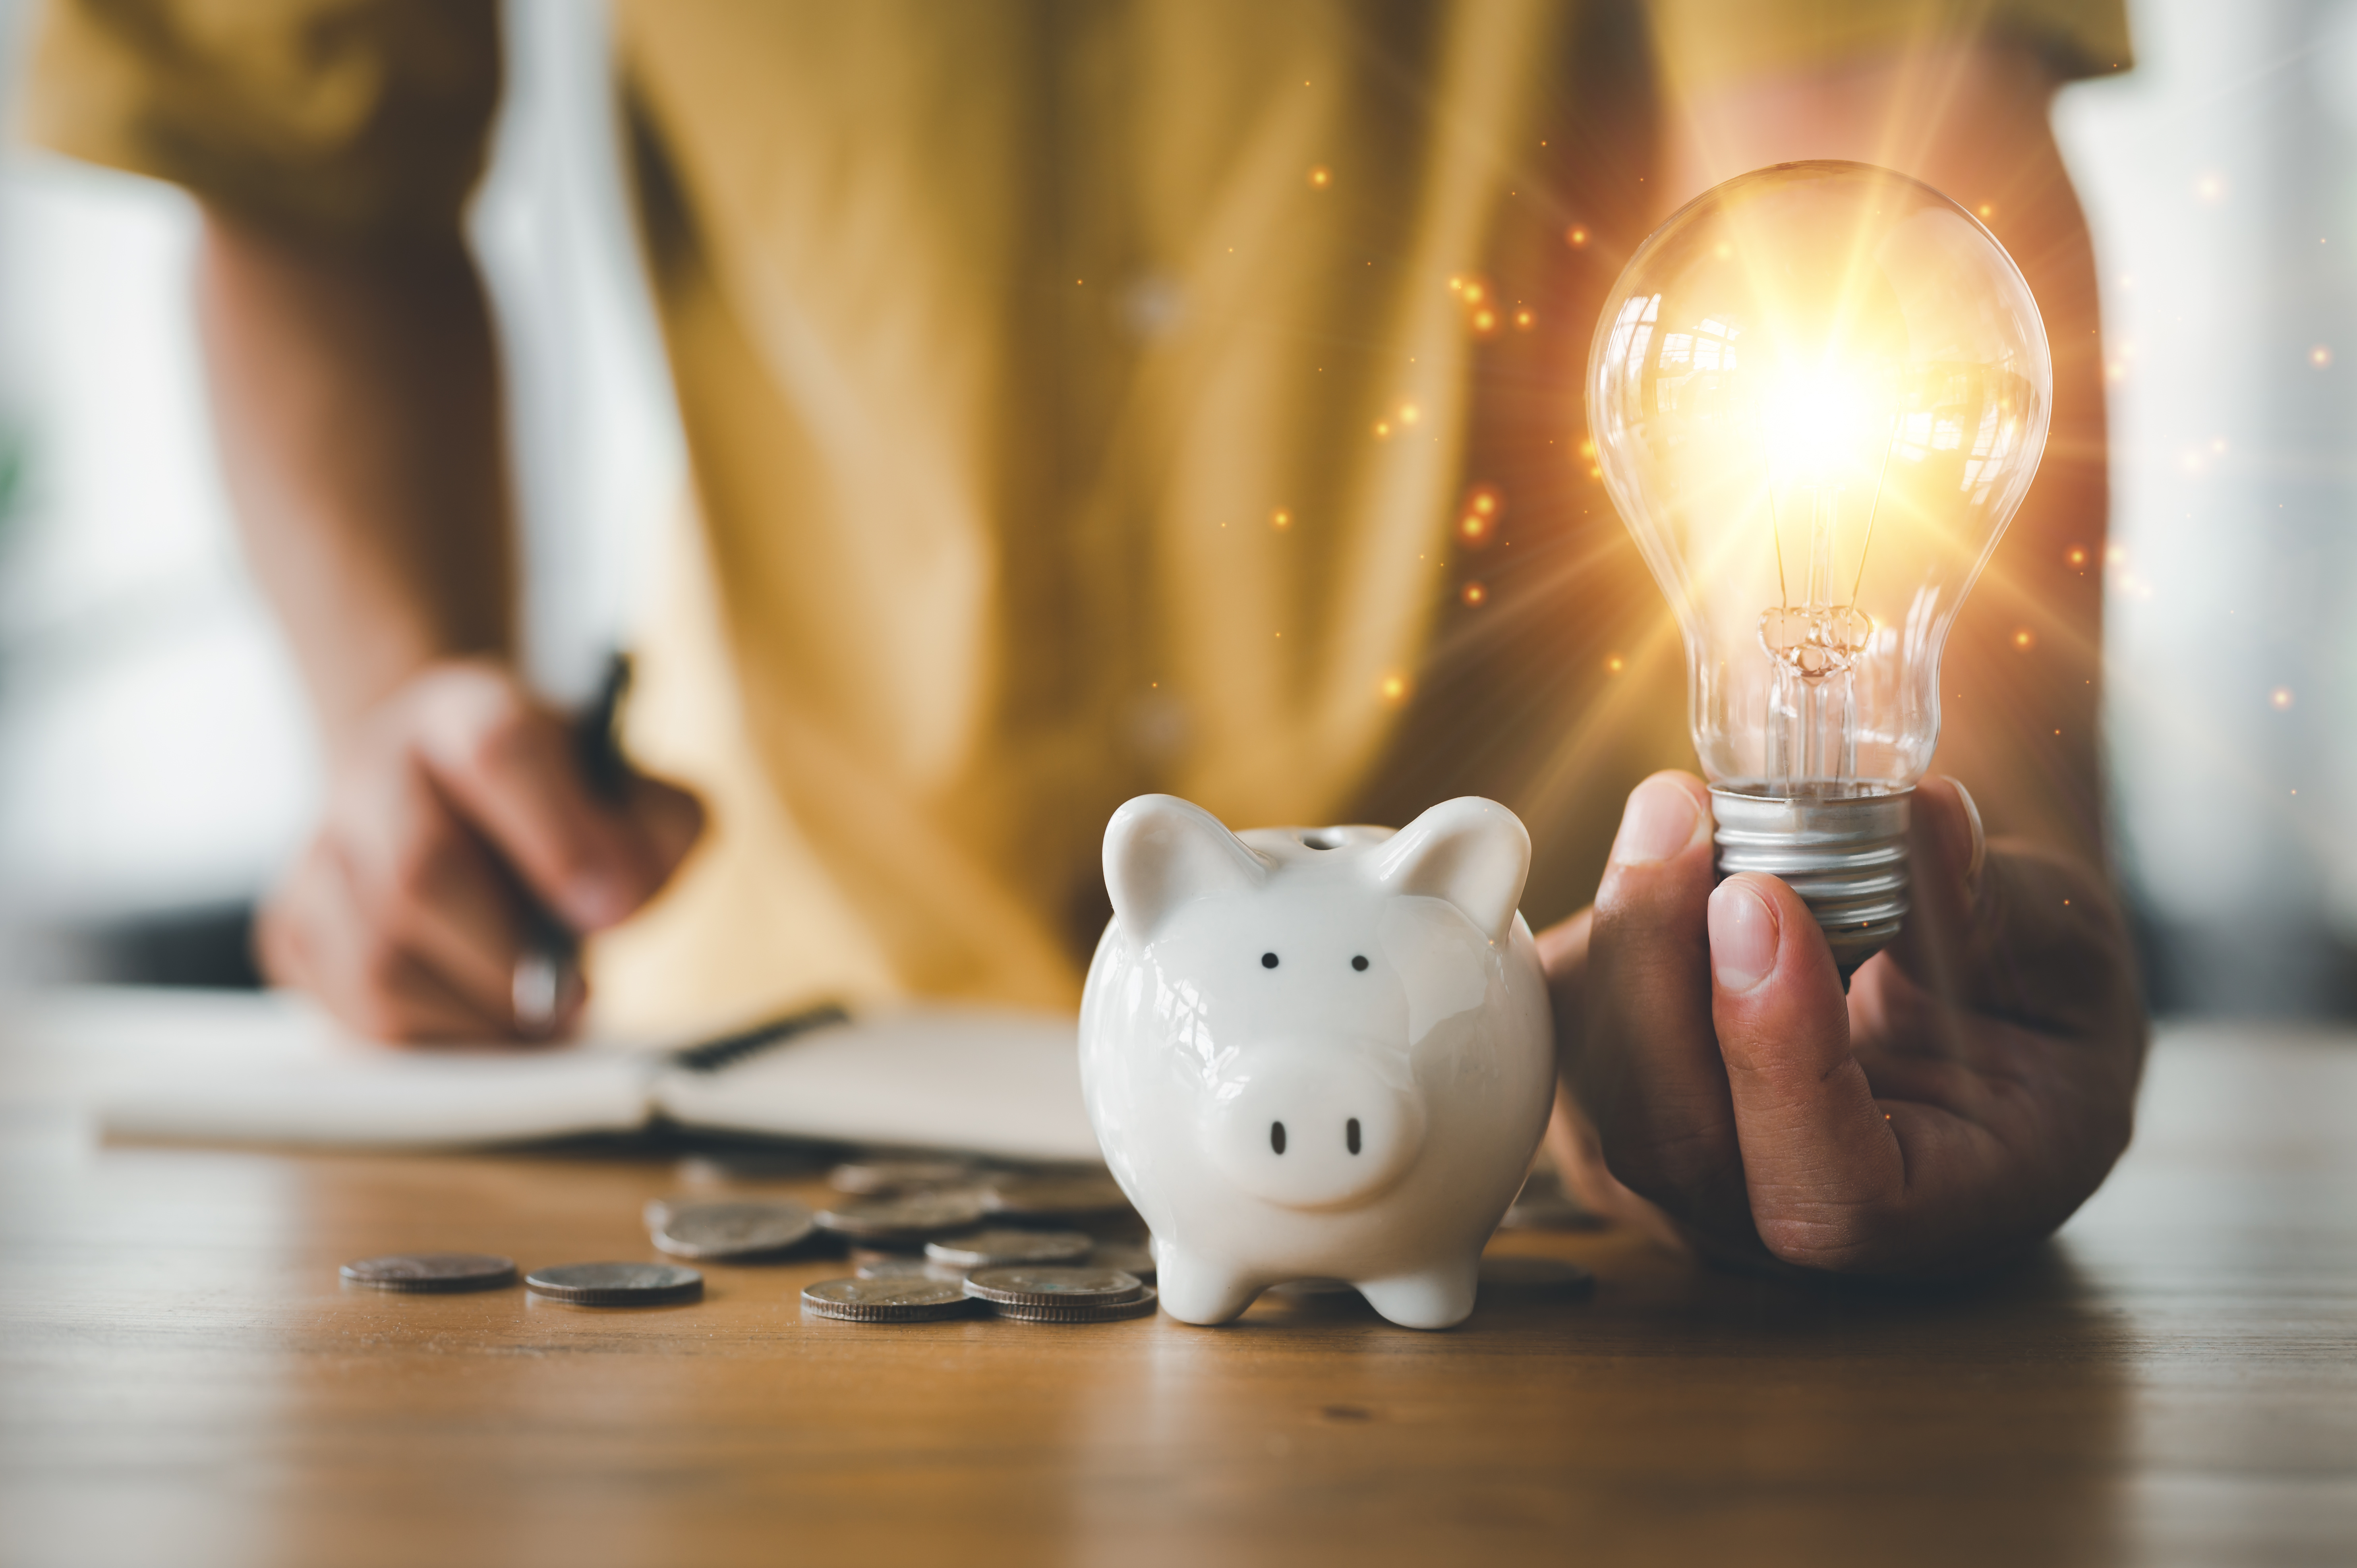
<point>268,1068</point>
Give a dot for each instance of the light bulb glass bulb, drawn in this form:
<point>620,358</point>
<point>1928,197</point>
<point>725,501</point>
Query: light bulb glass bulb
<point>1818,394</point>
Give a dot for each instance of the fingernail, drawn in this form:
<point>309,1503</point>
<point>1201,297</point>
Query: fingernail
<point>1742,936</point>
<point>1979,851</point>
<point>1659,822</point>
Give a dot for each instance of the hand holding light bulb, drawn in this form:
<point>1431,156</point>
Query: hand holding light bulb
<point>1819,393</point>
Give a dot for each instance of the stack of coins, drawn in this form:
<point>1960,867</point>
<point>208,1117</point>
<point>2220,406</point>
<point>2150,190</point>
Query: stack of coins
<point>1052,1293</point>
<point>886,1301</point>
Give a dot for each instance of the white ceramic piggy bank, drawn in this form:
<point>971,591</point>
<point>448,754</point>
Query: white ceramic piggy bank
<point>1320,1053</point>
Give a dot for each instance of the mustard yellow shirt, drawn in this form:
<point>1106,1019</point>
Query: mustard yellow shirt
<point>1081,401</point>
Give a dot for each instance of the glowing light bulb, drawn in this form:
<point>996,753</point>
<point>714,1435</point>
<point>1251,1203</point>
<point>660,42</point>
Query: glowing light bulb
<point>1818,394</point>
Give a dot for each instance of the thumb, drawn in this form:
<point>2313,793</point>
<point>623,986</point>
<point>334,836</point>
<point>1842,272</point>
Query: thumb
<point>1817,1149</point>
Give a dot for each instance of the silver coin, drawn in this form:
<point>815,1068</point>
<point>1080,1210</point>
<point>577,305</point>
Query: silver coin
<point>1123,1255</point>
<point>1056,1196</point>
<point>615,1284</point>
<point>910,1217</point>
<point>886,1301</point>
<point>987,1249</point>
<point>432,1273</point>
<point>906,1266</point>
<point>1027,1285</point>
<point>874,1177</point>
<point>741,1228</point>
<point>1142,1305</point>
<point>1535,1277</point>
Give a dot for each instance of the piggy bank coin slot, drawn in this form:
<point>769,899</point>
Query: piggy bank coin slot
<point>1321,840</point>
<point>1277,1137</point>
<point>1351,1134</point>
<point>1359,962</point>
<point>1268,961</point>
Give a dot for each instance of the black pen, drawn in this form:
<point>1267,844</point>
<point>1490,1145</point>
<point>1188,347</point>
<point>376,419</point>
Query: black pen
<point>551,960</point>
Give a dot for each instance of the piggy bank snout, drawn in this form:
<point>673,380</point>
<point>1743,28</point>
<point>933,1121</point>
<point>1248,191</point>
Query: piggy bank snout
<point>1317,1134</point>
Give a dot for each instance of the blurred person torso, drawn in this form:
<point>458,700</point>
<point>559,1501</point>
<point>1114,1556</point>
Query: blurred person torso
<point>1083,400</point>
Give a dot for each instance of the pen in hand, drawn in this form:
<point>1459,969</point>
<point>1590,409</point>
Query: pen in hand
<point>549,963</point>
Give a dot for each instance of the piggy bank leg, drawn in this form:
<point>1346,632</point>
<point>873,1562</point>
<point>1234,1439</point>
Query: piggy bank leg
<point>1194,1290</point>
<point>1439,1297</point>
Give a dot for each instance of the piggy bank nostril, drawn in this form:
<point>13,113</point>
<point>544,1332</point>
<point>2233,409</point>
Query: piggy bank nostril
<point>1351,1134</point>
<point>1276,1135</point>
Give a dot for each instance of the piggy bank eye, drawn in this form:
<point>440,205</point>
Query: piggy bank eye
<point>1358,961</point>
<point>1268,961</point>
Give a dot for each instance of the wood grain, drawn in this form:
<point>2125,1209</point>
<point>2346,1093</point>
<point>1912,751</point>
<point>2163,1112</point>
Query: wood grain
<point>183,1381</point>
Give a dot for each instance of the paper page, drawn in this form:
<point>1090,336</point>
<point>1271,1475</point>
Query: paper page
<point>987,1082</point>
<point>262,1067</point>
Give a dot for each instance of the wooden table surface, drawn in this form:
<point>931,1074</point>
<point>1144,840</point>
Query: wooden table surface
<point>183,1381</point>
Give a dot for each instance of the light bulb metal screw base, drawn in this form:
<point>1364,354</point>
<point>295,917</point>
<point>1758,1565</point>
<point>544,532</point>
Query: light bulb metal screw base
<point>1846,855</point>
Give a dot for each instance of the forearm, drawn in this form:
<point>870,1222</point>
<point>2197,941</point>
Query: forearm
<point>357,400</point>
<point>2022,679</point>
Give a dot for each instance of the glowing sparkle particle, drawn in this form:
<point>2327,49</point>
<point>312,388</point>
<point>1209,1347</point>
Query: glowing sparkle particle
<point>1476,291</point>
<point>2024,640</point>
<point>1485,321</point>
<point>1575,236</point>
<point>1614,665</point>
<point>2117,555</point>
<point>1473,529</point>
<point>1722,250</point>
<point>1473,593</point>
<point>2320,356</point>
<point>1393,688</point>
<point>1987,210</point>
<point>1320,177</point>
<point>1382,430</point>
<point>1280,520</point>
<point>2209,187</point>
<point>2076,555</point>
<point>1588,447</point>
<point>2280,697</point>
<point>1524,320</point>
<point>1409,414</point>
<point>1483,500</point>
<point>1457,286</point>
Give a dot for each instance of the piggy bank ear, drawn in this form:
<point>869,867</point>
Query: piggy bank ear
<point>1161,852</point>
<point>1473,852</point>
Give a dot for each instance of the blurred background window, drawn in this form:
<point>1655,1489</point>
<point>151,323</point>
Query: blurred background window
<point>156,768</point>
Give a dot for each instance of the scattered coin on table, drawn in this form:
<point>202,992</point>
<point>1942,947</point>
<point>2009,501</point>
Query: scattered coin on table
<point>886,1301</point>
<point>432,1273</point>
<point>1030,1284</point>
<point>917,1216</point>
<point>743,1229</point>
<point>1535,1277</point>
<point>1141,1305</point>
<point>876,1178</point>
<point>985,1248</point>
<point>615,1284</point>
<point>1054,1196</point>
